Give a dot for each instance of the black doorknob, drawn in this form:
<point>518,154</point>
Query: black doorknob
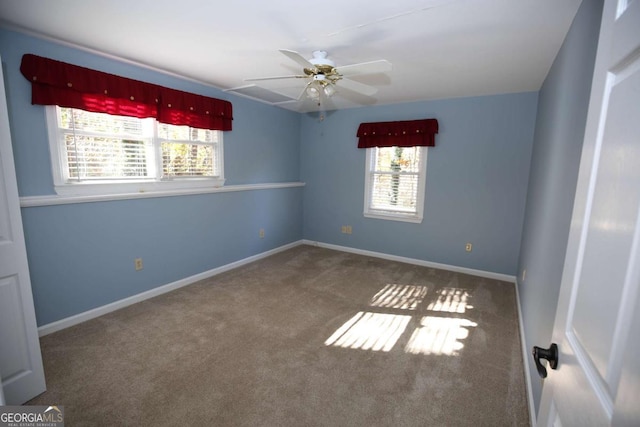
<point>550,354</point>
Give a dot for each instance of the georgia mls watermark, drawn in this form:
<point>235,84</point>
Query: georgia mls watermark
<point>31,416</point>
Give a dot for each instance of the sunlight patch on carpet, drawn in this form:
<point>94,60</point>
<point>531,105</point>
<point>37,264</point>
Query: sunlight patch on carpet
<point>370,331</point>
<point>403,297</point>
<point>451,300</point>
<point>439,335</point>
<point>401,305</point>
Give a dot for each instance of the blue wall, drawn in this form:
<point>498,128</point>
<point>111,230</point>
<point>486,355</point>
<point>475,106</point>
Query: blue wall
<point>561,118</point>
<point>81,255</point>
<point>475,189</point>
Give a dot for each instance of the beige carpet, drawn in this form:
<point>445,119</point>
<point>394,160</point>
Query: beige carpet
<point>307,337</point>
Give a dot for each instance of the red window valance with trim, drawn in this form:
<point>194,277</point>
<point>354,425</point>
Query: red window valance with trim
<point>408,133</point>
<point>58,83</point>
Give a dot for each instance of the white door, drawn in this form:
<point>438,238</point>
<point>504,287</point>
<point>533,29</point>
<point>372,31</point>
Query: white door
<point>21,370</point>
<point>597,325</point>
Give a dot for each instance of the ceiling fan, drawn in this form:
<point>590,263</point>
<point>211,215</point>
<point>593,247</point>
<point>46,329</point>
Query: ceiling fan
<point>324,76</point>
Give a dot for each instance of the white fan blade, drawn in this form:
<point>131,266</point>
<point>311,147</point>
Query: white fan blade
<point>381,66</point>
<point>356,87</point>
<point>297,58</point>
<point>257,79</point>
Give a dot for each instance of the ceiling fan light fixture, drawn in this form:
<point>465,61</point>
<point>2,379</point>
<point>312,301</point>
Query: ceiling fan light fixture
<point>313,92</point>
<point>320,87</point>
<point>329,90</point>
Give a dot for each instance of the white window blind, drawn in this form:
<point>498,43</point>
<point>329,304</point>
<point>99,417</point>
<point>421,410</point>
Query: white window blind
<point>99,146</point>
<point>95,148</point>
<point>395,178</point>
<point>188,152</point>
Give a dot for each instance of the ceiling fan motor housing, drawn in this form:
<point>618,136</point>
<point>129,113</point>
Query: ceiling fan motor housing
<point>320,59</point>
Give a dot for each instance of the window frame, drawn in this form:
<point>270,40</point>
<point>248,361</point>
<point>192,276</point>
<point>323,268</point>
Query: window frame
<point>369,212</point>
<point>159,183</point>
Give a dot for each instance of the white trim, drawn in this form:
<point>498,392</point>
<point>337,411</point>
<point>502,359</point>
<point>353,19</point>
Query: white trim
<point>423,263</point>
<point>57,160</point>
<point>97,188</point>
<point>100,53</point>
<point>392,216</point>
<point>525,358</point>
<point>116,305</point>
<point>51,200</point>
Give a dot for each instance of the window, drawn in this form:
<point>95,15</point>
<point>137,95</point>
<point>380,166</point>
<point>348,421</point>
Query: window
<point>395,183</point>
<point>96,153</point>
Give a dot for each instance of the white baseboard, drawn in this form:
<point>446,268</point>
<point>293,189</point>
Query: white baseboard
<point>525,357</point>
<point>464,270</point>
<point>116,305</point>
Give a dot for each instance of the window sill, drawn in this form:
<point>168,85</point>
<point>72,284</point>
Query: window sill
<point>394,217</point>
<point>142,186</point>
<point>51,200</point>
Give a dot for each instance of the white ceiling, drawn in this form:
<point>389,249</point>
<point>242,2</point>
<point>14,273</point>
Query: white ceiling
<point>438,48</point>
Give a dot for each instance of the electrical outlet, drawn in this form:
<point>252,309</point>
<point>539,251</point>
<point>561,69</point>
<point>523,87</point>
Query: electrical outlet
<point>262,233</point>
<point>524,274</point>
<point>349,230</point>
<point>343,229</point>
<point>138,263</point>
<point>468,247</point>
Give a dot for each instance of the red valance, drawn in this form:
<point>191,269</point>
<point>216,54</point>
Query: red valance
<point>409,133</point>
<point>58,83</point>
